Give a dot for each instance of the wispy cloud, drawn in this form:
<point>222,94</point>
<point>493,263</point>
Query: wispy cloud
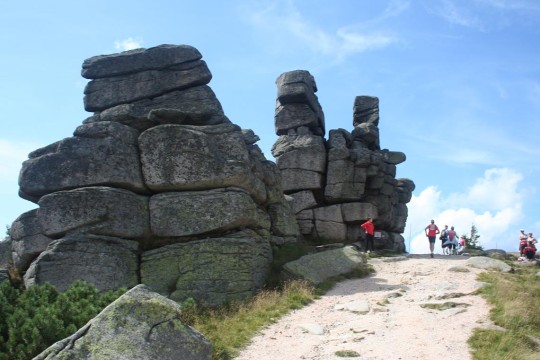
<point>127,44</point>
<point>286,22</point>
<point>524,5</point>
<point>456,15</point>
<point>493,204</point>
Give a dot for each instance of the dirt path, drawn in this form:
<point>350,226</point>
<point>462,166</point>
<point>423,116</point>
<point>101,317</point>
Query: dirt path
<point>395,325</point>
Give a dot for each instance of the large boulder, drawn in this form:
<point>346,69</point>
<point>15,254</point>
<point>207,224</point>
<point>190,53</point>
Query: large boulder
<point>321,266</point>
<point>139,325</point>
<point>194,106</point>
<point>299,86</point>
<point>107,92</point>
<point>154,58</point>
<point>211,271</point>
<point>366,110</point>
<point>329,224</point>
<point>189,213</point>
<point>97,210</point>
<point>99,154</point>
<point>27,240</point>
<point>107,262</point>
<point>182,158</point>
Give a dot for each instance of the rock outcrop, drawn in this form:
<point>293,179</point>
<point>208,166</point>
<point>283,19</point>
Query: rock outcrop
<point>340,182</point>
<point>141,325</point>
<point>158,186</point>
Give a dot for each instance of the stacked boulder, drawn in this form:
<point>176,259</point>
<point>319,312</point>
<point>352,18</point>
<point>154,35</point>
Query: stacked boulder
<point>337,183</point>
<point>157,187</point>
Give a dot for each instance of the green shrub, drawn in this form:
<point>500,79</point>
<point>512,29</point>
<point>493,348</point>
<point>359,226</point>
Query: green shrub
<point>34,319</point>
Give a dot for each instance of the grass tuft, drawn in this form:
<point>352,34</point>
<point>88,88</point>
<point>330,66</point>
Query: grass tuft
<point>515,298</point>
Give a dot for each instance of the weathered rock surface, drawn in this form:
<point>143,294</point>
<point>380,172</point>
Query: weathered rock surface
<point>107,92</point>
<point>157,164</point>
<point>176,157</point>
<point>139,325</point>
<point>194,106</point>
<point>97,210</point>
<point>190,213</point>
<point>5,258</point>
<point>108,263</point>
<point>348,168</point>
<point>482,262</point>
<point>99,154</point>
<point>211,270</point>
<point>27,240</point>
<point>320,266</point>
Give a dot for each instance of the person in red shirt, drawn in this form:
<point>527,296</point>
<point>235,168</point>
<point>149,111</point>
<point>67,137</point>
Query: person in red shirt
<point>369,228</point>
<point>431,232</point>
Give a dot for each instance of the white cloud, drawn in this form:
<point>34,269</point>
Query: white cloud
<point>127,44</point>
<point>493,204</point>
<point>286,22</point>
<point>525,5</point>
<point>455,15</point>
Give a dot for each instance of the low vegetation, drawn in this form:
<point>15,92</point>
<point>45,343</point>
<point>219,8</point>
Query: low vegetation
<point>34,319</point>
<point>515,298</point>
<point>232,327</point>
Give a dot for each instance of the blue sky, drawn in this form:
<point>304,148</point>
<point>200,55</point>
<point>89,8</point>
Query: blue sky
<point>458,83</point>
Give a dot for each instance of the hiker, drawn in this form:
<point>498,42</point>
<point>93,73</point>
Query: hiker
<point>431,232</point>
<point>369,228</point>
<point>444,237</point>
<point>522,241</point>
<point>530,250</point>
<point>462,245</point>
<point>452,241</point>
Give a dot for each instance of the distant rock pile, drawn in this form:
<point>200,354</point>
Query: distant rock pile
<point>339,182</point>
<point>157,187</point>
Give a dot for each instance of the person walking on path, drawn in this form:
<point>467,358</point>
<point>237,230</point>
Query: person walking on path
<point>431,232</point>
<point>369,228</point>
<point>452,241</point>
<point>444,237</point>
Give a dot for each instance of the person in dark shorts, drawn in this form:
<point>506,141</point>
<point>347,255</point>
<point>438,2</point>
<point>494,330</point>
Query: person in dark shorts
<point>431,232</point>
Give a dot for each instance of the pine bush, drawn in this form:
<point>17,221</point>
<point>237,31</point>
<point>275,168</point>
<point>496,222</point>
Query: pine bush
<point>34,319</point>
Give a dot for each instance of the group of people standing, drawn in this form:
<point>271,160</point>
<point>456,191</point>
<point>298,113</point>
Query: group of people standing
<point>449,239</point>
<point>527,245</point>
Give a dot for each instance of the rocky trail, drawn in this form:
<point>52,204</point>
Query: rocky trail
<point>411,308</point>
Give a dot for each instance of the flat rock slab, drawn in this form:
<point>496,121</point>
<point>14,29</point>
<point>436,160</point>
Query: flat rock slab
<point>482,262</point>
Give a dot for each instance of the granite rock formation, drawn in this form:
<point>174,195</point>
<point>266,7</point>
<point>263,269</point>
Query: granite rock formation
<point>337,183</point>
<point>158,186</point>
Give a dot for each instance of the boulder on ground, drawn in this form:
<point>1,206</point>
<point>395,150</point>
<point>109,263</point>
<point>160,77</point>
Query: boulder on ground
<point>483,262</point>
<point>318,267</point>
<point>139,325</point>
